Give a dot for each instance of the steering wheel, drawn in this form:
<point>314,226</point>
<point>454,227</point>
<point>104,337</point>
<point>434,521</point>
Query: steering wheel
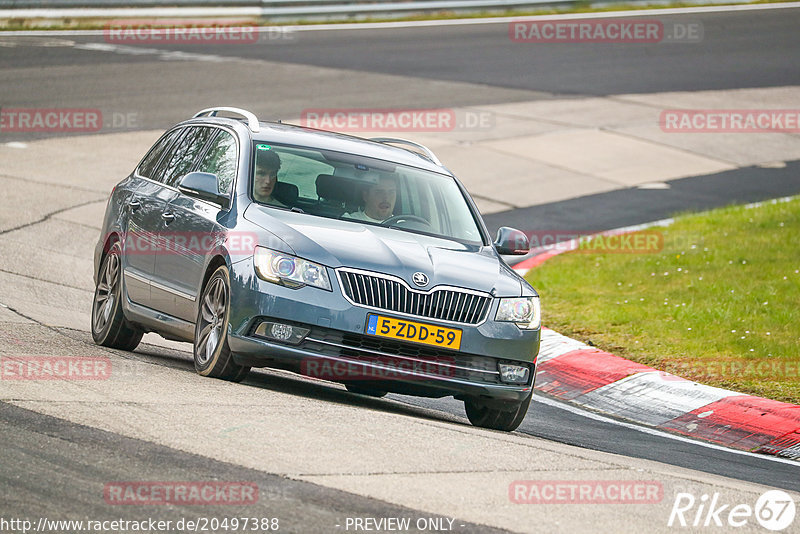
<point>397,218</point>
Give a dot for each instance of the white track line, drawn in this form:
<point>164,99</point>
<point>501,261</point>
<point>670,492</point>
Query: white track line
<point>229,12</point>
<point>655,432</point>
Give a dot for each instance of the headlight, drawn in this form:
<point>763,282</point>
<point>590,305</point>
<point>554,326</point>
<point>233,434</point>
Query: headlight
<point>525,311</point>
<point>289,270</point>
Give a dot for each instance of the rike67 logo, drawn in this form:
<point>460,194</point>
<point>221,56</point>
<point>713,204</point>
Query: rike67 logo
<point>774,510</point>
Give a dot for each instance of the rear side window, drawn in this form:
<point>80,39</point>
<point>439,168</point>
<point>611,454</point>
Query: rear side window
<point>184,156</point>
<point>148,164</point>
<point>221,159</point>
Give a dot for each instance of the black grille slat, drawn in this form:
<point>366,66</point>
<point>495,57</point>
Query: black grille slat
<point>348,290</point>
<point>437,312</point>
<point>453,305</point>
<point>485,308</point>
<point>477,309</point>
<point>362,290</point>
<point>473,308</point>
<point>373,291</point>
<point>367,290</point>
<point>459,303</point>
<point>468,303</point>
<point>448,307</point>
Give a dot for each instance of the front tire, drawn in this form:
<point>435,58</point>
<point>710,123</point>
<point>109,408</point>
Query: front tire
<point>109,326</point>
<point>485,417</point>
<point>212,356</point>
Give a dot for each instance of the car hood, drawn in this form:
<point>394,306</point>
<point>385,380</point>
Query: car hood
<point>338,243</point>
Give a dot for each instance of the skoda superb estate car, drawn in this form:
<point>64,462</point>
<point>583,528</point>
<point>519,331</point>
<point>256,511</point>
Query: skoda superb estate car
<point>359,261</point>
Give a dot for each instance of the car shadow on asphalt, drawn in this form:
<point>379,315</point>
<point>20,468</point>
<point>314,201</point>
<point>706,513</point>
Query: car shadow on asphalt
<point>274,380</point>
<point>291,383</point>
<point>312,388</point>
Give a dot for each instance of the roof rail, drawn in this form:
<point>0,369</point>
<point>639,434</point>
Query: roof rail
<point>426,152</point>
<point>252,120</point>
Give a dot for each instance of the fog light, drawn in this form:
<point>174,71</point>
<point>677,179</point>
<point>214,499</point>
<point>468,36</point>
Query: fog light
<point>284,333</point>
<point>281,332</point>
<point>513,374</point>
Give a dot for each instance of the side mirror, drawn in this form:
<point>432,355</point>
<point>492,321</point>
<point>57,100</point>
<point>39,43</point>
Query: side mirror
<point>203,185</point>
<point>511,242</point>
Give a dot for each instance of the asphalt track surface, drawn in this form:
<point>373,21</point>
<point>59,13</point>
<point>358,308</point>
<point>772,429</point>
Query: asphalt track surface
<point>632,206</point>
<point>752,49</point>
<point>65,468</point>
<point>736,51</point>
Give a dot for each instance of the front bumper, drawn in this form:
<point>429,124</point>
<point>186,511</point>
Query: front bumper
<point>338,346</point>
<point>421,379</point>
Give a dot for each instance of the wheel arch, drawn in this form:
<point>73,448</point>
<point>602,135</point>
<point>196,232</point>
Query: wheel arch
<point>214,263</point>
<point>110,239</point>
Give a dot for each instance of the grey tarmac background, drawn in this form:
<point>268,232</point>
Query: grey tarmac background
<point>297,437</point>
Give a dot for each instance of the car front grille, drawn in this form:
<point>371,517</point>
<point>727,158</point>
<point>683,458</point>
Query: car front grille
<point>393,295</point>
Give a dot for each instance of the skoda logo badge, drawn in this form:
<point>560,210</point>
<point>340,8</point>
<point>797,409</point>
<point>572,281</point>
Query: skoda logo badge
<point>420,279</point>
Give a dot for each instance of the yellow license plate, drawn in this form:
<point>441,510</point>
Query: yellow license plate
<point>439,336</point>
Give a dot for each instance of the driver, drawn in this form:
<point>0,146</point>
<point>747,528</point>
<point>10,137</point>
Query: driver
<point>266,176</point>
<point>379,200</point>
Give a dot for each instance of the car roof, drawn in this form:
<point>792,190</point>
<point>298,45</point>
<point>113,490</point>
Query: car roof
<point>290,134</point>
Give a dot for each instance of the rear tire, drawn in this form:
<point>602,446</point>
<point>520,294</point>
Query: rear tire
<point>212,355</point>
<point>494,418</point>
<point>360,390</point>
<point>109,326</point>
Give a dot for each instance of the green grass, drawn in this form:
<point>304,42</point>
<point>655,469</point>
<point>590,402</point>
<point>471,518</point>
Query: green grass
<point>719,304</point>
<point>16,24</point>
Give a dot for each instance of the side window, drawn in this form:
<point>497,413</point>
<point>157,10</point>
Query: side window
<point>152,158</point>
<point>169,153</point>
<point>221,159</point>
<point>185,154</point>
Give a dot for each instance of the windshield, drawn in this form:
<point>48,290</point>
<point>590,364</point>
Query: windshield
<point>363,190</point>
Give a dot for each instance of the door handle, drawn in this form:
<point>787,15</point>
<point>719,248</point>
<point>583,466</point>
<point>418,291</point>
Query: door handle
<point>168,216</point>
<point>135,204</point>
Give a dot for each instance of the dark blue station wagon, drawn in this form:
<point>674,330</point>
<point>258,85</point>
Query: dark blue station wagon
<point>360,261</point>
